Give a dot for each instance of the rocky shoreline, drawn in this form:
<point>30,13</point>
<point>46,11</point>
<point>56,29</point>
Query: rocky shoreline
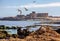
<point>45,33</point>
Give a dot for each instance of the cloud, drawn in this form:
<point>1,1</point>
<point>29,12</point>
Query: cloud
<point>9,6</point>
<point>42,5</point>
<point>56,4</point>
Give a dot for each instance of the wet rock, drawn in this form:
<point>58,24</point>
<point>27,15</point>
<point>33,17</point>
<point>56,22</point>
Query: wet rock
<point>46,33</point>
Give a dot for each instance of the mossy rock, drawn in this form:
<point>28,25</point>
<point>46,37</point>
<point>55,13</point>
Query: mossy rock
<point>2,35</point>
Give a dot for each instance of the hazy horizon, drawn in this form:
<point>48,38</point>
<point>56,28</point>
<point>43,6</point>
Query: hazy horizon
<point>10,7</point>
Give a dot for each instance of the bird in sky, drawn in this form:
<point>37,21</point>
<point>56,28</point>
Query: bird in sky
<point>20,11</point>
<point>34,1</point>
<point>26,9</point>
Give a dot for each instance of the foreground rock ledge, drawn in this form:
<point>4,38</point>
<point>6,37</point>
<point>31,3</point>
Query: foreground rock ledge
<point>45,33</point>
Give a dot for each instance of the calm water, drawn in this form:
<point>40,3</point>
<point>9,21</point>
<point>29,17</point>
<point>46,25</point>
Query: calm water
<point>18,23</point>
<point>23,24</point>
<point>14,31</point>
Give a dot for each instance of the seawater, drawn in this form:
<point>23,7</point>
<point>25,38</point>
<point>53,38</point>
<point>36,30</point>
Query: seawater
<point>22,24</point>
<point>18,23</point>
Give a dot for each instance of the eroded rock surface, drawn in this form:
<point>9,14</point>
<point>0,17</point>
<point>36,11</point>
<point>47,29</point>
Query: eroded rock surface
<point>45,33</point>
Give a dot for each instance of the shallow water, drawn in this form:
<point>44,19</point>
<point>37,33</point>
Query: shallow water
<point>22,24</point>
<point>18,23</point>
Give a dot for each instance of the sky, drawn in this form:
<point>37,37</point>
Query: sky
<point>10,7</point>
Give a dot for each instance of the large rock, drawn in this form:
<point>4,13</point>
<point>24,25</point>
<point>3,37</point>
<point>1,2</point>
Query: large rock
<point>46,33</point>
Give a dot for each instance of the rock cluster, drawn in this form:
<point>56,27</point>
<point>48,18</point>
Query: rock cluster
<point>45,33</point>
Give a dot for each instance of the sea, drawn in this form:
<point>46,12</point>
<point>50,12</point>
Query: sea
<point>22,24</point>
